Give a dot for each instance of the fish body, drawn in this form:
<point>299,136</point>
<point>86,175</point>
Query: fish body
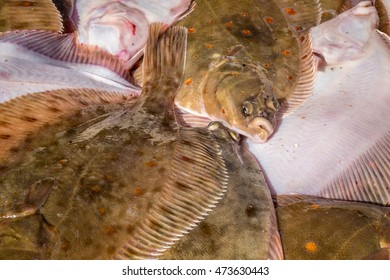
<point>29,15</point>
<point>336,144</point>
<point>240,55</point>
<point>121,27</point>
<point>35,61</point>
<point>128,180</point>
<point>324,229</point>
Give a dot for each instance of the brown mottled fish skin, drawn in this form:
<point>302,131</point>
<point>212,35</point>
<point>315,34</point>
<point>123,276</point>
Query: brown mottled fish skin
<point>129,181</point>
<point>243,225</point>
<point>29,15</point>
<point>221,77</point>
<point>316,228</point>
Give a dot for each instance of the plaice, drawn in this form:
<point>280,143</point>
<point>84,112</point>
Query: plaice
<point>336,144</point>
<point>324,229</point>
<point>35,61</point>
<point>121,27</point>
<point>126,180</point>
<point>242,57</point>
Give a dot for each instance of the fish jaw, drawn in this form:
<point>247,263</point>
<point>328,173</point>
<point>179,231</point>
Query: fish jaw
<point>121,30</point>
<point>345,37</point>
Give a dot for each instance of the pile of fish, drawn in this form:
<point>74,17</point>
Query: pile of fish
<point>108,153</point>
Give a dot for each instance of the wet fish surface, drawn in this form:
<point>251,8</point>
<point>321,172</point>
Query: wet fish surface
<point>336,145</point>
<point>241,55</point>
<point>117,180</point>
<point>324,229</point>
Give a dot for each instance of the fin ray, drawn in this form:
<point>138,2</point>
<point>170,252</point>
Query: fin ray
<point>64,47</point>
<point>176,213</point>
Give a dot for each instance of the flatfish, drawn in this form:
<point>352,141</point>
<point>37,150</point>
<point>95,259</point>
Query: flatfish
<point>124,180</point>
<point>336,145</point>
<point>323,229</point>
<point>241,54</point>
<point>121,27</point>
<point>38,60</point>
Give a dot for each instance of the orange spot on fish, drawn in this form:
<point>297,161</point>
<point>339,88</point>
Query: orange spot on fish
<point>246,32</point>
<point>315,206</point>
<point>267,65</point>
<point>209,46</point>
<point>102,210</point>
<point>229,24</point>
<point>188,81</point>
<point>150,163</point>
<point>290,11</point>
<point>289,77</point>
<point>269,19</point>
<point>223,111</point>
<point>109,230</point>
<point>191,30</point>
<point>25,3</point>
<point>96,189</point>
<point>311,247</point>
<point>286,53</point>
<point>62,161</point>
<point>138,191</point>
<point>298,28</point>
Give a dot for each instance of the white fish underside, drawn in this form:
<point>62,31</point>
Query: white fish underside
<point>322,143</point>
<point>24,71</point>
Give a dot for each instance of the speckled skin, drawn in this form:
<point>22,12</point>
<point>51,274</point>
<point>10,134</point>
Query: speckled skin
<point>314,228</point>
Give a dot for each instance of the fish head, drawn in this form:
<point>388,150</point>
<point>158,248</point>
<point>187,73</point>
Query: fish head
<point>346,37</point>
<point>243,99</point>
<point>117,28</point>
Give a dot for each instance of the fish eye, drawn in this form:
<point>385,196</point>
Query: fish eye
<point>247,108</point>
<point>272,103</point>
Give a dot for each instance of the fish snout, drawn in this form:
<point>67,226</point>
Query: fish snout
<point>264,129</point>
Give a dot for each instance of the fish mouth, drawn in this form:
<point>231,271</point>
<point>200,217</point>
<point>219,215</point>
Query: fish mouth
<point>264,129</point>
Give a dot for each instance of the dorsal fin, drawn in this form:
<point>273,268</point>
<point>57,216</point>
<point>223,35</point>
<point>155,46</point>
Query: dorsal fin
<point>64,47</point>
<point>367,178</point>
<point>305,82</point>
<point>23,115</point>
<point>196,182</point>
<point>31,15</point>
<point>301,17</point>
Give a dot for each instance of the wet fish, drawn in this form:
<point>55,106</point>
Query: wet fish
<point>121,27</point>
<point>336,144</point>
<point>241,54</point>
<point>35,61</point>
<point>332,8</point>
<point>129,181</point>
<point>29,15</point>
<point>316,228</point>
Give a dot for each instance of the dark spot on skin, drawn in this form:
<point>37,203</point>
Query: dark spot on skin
<point>5,136</point>
<point>251,210</point>
<point>54,110</point>
<point>182,186</point>
<point>29,119</point>
<point>111,250</point>
<point>88,242</point>
<point>4,124</point>
<point>205,228</point>
<point>130,228</point>
<point>64,245</point>
<point>187,159</point>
